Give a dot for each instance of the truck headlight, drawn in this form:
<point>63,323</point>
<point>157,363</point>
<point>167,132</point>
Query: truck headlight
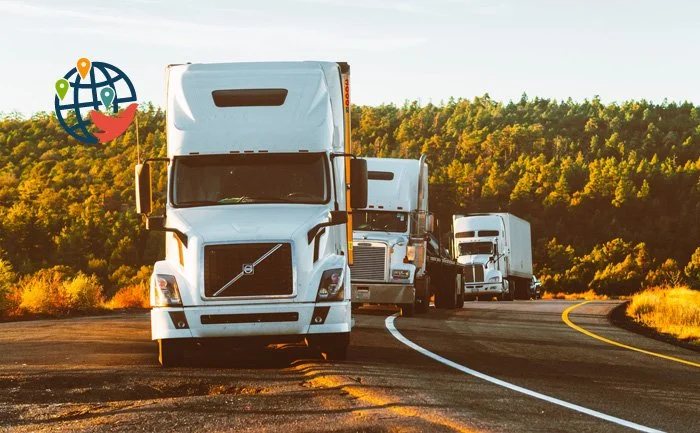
<point>331,286</point>
<point>400,274</point>
<point>167,293</point>
<point>495,280</point>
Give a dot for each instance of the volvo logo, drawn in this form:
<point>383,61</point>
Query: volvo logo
<point>248,269</point>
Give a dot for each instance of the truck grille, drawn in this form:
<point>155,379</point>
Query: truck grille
<point>474,274</point>
<point>368,263</point>
<point>271,276</point>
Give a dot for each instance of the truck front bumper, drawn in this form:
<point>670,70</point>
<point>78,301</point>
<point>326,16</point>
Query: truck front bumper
<point>484,289</point>
<point>383,293</point>
<point>291,319</point>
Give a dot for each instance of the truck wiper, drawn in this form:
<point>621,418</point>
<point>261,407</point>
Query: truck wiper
<point>246,199</point>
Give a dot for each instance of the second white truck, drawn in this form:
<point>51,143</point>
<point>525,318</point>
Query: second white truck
<point>497,250</point>
<point>397,258</point>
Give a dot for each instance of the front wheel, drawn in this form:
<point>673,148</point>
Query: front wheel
<point>423,294</point>
<point>170,353</point>
<point>333,346</point>
<point>408,310</point>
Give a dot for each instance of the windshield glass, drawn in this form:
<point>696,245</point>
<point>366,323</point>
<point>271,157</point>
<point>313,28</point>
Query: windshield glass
<point>471,248</point>
<point>201,180</point>
<point>380,221</point>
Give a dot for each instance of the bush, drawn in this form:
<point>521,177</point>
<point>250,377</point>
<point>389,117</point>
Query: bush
<point>49,291</point>
<point>84,292</point>
<point>133,296</point>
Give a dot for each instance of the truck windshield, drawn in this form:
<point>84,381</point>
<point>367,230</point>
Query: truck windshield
<point>380,221</point>
<point>202,180</point>
<point>472,248</point>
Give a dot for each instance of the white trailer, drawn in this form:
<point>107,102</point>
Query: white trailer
<point>258,244</point>
<point>498,251</point>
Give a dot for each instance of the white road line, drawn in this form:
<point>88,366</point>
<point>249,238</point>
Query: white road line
<point>389,322</point>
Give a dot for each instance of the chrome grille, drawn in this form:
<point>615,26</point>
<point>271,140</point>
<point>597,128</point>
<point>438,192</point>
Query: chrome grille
<point>235,265</point>
<point>369,262</point>
<point>474,274</point>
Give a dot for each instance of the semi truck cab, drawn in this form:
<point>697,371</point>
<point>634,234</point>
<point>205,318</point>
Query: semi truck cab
<point>257,243</point>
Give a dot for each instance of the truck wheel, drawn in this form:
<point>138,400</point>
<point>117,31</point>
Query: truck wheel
<point>408,310</point>
<point>423,303</point>
<point>460,290</point>
<point>170,353</point>
<point>512,287</point>
<point>335,347</point>
<point>446,297</point>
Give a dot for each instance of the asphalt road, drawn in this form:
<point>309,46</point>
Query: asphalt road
<point>516,367</point>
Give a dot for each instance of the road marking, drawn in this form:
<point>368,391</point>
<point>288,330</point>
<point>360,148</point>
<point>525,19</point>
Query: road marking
<point>565,318</point>
<point>389,322</point>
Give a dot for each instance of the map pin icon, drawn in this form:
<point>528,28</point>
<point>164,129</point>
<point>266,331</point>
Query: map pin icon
<point>107,96</point>
<point>62,86</point>
<point>83,66</point>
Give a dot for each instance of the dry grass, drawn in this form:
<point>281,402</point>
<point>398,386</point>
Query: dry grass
<point>132,296</point>
<point>674,311</point>
<point>588,295</point>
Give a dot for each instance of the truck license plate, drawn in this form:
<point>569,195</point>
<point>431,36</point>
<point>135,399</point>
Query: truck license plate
<point>363,294</point>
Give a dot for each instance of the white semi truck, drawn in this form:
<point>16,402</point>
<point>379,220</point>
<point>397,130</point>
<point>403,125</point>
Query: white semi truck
<point>397,260</point>
<point>497,251</point>
<point>258,240</point>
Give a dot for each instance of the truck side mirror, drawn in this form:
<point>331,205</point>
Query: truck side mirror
<point>144,197</point>
<point>338,217</point>
<point>358,183</point>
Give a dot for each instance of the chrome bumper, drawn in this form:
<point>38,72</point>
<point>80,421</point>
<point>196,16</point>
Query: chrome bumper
<point>383,293</point>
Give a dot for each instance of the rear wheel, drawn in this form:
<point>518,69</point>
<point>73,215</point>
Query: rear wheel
<point>446,297</point>
<point>170,353</point>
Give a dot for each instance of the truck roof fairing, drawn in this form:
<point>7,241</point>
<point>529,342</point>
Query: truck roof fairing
<point>310,115</point>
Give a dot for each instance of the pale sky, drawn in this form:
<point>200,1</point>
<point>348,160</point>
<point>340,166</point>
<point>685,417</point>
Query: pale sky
<point>398,49</point>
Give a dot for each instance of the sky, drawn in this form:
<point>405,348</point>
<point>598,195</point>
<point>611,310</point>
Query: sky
<point>399,50</point>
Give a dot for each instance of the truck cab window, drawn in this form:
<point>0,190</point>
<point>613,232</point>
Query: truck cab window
<point>200,180</point>
<point>380,221</point>
<point>473,248</point>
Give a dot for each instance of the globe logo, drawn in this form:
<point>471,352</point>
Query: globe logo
<point>93,93</point>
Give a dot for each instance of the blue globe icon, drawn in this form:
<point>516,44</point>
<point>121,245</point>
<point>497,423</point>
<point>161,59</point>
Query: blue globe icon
<point>84,96</point>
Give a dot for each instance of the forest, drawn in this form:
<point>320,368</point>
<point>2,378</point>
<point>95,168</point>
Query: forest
<point>612,191</point>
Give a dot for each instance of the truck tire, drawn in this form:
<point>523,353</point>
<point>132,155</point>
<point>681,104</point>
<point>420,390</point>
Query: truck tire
<point>408,310</point>
<point>423,287</point>
<point>170,353</point>
<point>510,296</point>
<point>333,346</point>
<point>460,291</point>
<point>446,296</point>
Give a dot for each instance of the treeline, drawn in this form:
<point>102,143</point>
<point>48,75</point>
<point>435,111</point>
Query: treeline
<point>612,190</point>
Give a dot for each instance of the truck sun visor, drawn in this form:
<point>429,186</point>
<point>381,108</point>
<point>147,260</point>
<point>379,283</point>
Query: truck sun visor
<point>249,97</point>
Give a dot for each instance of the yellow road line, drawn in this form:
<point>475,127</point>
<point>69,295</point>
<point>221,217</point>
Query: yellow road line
<point>565,318</point>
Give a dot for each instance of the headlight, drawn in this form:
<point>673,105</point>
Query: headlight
<point>410,253</point>
<point>166,292</point>
<point>495,280</point>
<point>331,286</point>
<point>400,274</point>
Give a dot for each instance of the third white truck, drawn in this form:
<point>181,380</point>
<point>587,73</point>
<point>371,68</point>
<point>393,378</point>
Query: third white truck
<point>497,250</point>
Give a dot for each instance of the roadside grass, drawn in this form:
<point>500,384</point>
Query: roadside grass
<point>669,310</point>
<point>588,295</point>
